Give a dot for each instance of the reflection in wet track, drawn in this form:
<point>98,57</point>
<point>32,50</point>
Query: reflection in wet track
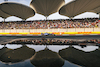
<point>53,56</point>
<point>80,57</point>
<point>16,55</point>
<point>47,58</point>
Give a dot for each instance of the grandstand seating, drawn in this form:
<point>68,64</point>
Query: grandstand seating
<point>51,24</point>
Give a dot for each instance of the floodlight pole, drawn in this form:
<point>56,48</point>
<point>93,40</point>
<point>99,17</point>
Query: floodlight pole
<point>4,45</point>
<point>23,19</point>
<point>4,20</point>
<point>46,17</point>
<point>71,18</point>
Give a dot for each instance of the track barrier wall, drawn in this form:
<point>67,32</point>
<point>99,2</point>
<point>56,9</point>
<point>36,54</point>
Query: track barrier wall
<point>68,31</point>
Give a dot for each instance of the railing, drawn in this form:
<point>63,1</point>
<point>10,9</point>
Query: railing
<point>52,30</point>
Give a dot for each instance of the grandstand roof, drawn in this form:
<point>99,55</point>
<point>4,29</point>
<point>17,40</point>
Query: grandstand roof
<point>77,7</point>
<point>46,7</point>
<point>3,15</point>
<point>96,10</point>
<point>17,9</point>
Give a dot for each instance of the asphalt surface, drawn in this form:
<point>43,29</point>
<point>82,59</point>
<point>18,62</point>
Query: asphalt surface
<point>7,39</point>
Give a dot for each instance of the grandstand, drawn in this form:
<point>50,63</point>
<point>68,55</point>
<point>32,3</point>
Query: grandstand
<point>57,27</point>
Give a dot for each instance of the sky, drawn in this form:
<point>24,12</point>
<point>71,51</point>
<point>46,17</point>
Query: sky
<point>52,16</point>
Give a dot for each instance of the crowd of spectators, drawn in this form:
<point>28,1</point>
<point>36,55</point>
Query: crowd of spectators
<point>44,41</point>
<point>49,24</point>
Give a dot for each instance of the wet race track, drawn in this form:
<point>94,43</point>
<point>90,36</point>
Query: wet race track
<point>31,55</point>
<point>50,56</point>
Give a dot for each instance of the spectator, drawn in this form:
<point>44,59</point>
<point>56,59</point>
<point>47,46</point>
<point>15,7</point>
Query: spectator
<point>52,24</point>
